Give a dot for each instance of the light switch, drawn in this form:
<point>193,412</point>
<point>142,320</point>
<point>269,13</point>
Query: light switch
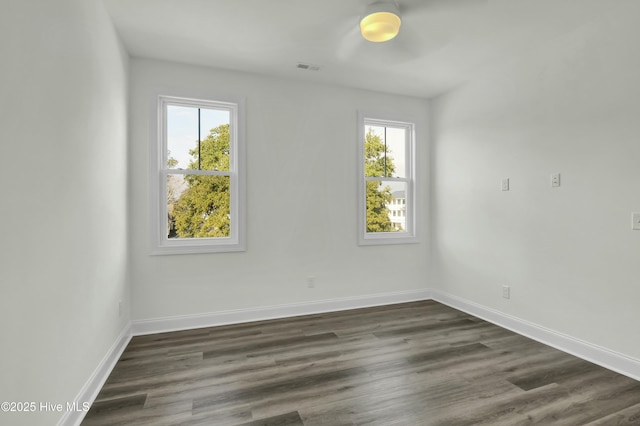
<point>635,218</point>
<point>506,292</point>
<point>555,179</point>
<point>505,184</point>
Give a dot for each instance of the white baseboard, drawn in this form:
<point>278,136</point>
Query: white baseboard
<point>596,354</point>
<point>186,322</point>
<point>92,387</point>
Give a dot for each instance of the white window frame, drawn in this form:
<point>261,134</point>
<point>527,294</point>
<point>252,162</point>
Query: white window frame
<point>409,235</point>
<point>161,244</point>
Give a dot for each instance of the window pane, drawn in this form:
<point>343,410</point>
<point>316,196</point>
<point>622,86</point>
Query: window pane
<point>185,150</point>
<point>182,135</point>
<point>214,148</point>
<point>198,206</point>
<point>396,150</point>
<point>385,206</point>
<point>385,151</point>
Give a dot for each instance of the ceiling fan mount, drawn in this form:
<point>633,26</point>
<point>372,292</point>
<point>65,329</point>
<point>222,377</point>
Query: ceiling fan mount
<point>376,35</point>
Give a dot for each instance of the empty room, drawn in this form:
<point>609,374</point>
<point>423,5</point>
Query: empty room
<point>320,212</point>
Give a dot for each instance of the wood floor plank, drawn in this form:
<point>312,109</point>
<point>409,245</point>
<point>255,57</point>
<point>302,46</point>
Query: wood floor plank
<point>627,416</point>
<point>419,363</point>
<point>287,419</point>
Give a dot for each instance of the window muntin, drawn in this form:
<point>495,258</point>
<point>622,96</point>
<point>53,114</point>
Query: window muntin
<point>199,158</point>
<point>386,153</point>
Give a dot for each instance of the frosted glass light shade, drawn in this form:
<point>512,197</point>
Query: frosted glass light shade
<point>381,23</point>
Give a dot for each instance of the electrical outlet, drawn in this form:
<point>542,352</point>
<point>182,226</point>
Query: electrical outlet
<point>506,292</point>
<point>504,185</point>
<point>635,221</point>
<point>555,179</point>
<point>311,282</point>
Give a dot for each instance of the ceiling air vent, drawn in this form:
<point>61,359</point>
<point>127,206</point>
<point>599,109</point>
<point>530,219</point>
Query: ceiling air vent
<point>310,67</point>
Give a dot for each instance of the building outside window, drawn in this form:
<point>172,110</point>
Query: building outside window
<point>397,211</point>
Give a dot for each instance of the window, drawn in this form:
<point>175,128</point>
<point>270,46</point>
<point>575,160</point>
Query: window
<point>386,153</point>
<point>198,177</point>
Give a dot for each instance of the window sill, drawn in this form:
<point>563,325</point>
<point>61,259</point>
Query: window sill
<point>174,249</point>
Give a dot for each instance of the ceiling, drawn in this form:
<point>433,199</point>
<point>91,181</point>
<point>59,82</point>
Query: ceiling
<point>442,43</point>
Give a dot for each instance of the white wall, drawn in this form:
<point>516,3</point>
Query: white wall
<point>63,249</point>
<point>568,253</point>
<point>302,182</point>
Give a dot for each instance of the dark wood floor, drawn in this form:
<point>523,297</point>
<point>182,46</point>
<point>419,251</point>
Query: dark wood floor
<point>419,363</point>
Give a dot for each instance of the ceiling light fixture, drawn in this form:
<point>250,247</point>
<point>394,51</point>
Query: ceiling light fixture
<point>381,22</point>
